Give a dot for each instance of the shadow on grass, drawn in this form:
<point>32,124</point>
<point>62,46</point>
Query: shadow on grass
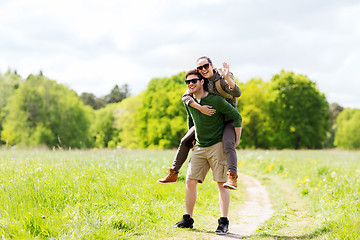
<point>229,235</point>
<point>315,234</point>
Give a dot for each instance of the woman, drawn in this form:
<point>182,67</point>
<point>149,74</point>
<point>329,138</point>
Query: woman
<point>220,82</point>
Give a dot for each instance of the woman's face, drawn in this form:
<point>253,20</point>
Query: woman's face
<point>205,68</point>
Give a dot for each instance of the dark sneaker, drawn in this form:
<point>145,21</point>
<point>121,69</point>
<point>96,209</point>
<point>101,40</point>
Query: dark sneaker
<point>186,222</point>
<point>171,177</point>
<point>231,182</point>
<point>223,226</point>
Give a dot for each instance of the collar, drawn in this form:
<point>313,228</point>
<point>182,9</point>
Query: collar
<point>216,76</point>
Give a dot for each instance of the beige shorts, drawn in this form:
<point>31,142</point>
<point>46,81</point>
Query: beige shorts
<point>204,158</point>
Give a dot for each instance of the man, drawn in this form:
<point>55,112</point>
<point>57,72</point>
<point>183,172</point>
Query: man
<point>208,152</point>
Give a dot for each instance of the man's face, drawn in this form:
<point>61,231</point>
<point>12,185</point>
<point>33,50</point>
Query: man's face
<point>205,68</point>
<point>193,83</point>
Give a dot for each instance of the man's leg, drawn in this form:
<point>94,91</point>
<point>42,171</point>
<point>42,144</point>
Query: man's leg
<point>197,170</point>
<point>217,161</point>
<point>190,199</point>
<point>190,196</point>
<point>224,199</point>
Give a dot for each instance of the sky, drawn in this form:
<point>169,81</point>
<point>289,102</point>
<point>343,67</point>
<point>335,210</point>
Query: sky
<point>92,45</point>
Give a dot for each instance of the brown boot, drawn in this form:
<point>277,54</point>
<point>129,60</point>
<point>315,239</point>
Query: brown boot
<point>231,182</point>
<point>171,177</point>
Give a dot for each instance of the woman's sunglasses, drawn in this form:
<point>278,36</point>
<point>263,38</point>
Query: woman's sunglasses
<point>205,66</point>
<point>192,81</point>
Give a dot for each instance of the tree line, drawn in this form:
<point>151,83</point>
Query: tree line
<point>287,112</point>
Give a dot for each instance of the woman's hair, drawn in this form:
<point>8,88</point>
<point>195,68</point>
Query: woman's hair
<point>207,58</point>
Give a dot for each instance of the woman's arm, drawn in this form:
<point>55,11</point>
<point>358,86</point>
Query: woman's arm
<point>227,81</point>
<point>189,101</point>
<point>225,72</point>
<point>204,109</point>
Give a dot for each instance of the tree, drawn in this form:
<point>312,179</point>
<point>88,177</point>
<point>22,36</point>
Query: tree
<point>347,135</point>
<point>161,118</point>
<point>44,112</point>
<point>118,94</point>
<point>253,105</point>
<point>9,82</point>
<point>299,113</point>
<point>102,128</point>
<point>335,110</point>
<point>91,100</point>
<point>125,114</point>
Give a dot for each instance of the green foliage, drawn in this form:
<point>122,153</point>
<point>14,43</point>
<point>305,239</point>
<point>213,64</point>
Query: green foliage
<point>334,111</point>
<point>9,82</point>
<point>102,128</point>
<point>91,100</point>
<point>118,94</point>
<point>348,129</point>
<point>288,112</point>
<point>125,121</point>
<point>44,112</point>
<point>299,113</point>
<point>161,118</point>
<point>253,105</point>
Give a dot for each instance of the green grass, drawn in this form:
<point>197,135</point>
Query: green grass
<point>114,195</point>
<point>97,195</point>
<point>316,194</point>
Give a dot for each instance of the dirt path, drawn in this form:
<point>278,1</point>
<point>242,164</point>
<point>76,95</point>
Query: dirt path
<point>255,211</point>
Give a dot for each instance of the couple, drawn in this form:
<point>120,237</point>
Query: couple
<point>215,124</point>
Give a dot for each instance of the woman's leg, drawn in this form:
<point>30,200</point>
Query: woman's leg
<point>229,146</point>
<point>186,144</point>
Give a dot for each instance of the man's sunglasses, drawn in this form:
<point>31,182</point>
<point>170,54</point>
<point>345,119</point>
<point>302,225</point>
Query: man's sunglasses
<point>192,81</point>
<point>205,66</point>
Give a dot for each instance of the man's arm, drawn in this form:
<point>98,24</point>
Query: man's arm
<point>190,121</point>
<point>224,107</point>
<point>238,135</point>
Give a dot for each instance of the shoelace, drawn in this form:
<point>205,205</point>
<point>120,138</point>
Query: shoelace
<point>170,175</point>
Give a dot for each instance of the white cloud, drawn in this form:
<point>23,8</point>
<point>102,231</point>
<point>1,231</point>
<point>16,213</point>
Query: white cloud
<point>93,45</point>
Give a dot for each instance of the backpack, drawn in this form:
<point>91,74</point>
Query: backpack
<point>225,94</point>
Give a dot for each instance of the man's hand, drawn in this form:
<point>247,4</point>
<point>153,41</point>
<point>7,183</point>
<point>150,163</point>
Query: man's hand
<point>207,110</point>
<point>237,135</point>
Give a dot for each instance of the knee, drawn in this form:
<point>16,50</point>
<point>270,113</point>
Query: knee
<point>191,183</point>
<point>186,142</point>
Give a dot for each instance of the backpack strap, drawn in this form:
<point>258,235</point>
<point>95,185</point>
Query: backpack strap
<point>221,91</point>
<point>225,94</point>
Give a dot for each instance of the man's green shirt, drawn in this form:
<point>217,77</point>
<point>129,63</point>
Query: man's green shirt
<point>209,129</point>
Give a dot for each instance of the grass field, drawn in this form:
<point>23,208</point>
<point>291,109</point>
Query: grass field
<point>114,195</point>
<point>95,195</point>
<point>316,193</point>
